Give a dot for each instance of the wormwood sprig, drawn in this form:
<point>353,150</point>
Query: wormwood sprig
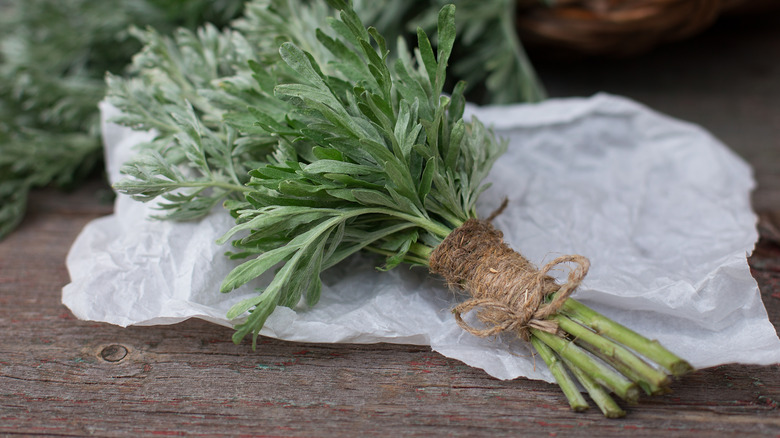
<point>201,93</point>
<point>193,90</point>
<point>370,155</point>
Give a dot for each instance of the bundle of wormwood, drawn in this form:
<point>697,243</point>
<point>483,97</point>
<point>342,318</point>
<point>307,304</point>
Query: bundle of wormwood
<point>324,152</point>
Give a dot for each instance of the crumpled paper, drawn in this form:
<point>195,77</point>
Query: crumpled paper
<point>659,206</point>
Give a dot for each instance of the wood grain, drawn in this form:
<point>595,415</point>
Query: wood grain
<point>64,377</point>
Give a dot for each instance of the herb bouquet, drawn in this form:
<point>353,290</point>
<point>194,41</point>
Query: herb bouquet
<point>325,152</point>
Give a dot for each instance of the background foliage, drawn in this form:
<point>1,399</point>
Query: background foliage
<point>53,58</point>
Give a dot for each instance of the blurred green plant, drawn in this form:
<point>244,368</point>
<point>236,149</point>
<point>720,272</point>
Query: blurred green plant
<point>488,54</point>
<point>53,58</point>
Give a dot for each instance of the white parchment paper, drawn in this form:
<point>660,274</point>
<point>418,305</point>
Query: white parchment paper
<point>659,206</point>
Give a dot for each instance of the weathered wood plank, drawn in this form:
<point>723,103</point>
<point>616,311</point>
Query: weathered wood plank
<point>61,376</point>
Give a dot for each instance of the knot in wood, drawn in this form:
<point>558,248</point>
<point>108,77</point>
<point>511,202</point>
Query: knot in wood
<point>113,353</point>
<point>508,292</point>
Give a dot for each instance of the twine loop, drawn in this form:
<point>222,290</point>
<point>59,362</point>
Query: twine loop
<point>507,291</point>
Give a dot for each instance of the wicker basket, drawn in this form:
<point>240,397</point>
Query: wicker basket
<point>614,27</point>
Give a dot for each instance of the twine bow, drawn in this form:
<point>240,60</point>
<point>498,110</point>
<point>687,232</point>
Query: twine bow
<point>507,291</point>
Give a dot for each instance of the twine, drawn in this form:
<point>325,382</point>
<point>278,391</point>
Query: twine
<point>507,290</point>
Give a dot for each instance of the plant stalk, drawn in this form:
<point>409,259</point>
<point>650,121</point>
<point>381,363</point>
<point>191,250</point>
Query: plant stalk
<point>408,258</point>
<point>608,407</point>
<point>602,325</point>
<point>601,373</point>
<point>616,355</point>
<point>558,370</point>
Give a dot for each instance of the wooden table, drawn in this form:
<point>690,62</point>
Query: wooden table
<point>64,377</point>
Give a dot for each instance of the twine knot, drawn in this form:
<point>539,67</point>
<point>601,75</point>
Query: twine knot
<point>507,291</point>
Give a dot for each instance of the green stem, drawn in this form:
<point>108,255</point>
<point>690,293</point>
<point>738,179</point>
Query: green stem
<point>532,88</point>
<point>616,355</point>
<point>601,373</point>
<point>558,370</point>
<point>219,184</point>
<point>348,250</point>
<point>650,349</point>
<point>452,219</point>
<point>230,139</point>
<point>649,388</point>
<point>608,407</point>
<point>130,187</point>
<point>434,227</point>
<point>422,251</point>
<point>409,258</point>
